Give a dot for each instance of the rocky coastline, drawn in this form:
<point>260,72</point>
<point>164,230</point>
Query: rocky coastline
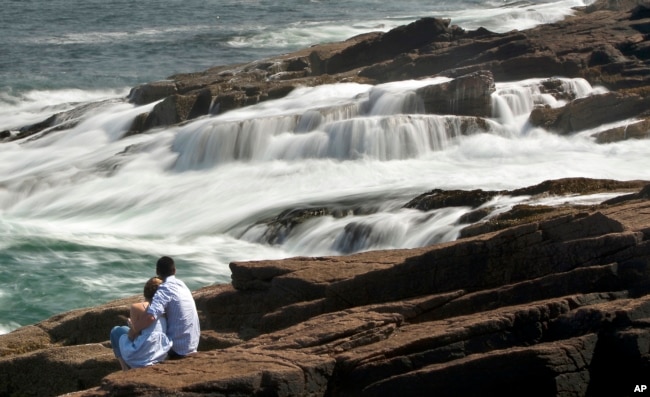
<point>553,302</point>
<point>540,301</point>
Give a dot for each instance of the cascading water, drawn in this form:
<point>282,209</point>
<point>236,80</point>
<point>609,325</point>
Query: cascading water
<point>345,157</point>
<point>384,123</point>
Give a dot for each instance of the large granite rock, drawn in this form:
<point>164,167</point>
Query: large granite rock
<point>590,112</point>
<point>558,306</point>
<point>634,130</point>
<point>468,95</point>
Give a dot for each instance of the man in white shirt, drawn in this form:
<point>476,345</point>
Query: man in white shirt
<point>174,300</point>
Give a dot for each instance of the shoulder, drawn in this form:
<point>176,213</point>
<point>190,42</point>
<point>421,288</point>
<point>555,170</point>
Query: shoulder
<point>172,284</point>
<point>176,282</point>
<point>137,309</point>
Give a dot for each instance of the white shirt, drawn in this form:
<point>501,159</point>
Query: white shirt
<point>175,300</point>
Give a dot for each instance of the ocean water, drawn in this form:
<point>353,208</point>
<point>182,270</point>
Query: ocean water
<point>84,213</point>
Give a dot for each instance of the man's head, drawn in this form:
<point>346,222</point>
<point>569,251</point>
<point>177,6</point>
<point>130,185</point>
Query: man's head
<point>165,267</point>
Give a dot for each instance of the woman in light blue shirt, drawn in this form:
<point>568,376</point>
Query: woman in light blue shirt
<point>151,345</point>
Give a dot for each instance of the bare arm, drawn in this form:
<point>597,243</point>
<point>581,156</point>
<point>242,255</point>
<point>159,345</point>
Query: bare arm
<point>140,320</point>
<point>157,306</point>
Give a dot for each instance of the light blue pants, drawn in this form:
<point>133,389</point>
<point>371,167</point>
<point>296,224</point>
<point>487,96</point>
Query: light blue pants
<point>116,333</point>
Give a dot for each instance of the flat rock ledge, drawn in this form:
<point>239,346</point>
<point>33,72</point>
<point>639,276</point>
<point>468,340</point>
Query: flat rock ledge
<point>554,306</point>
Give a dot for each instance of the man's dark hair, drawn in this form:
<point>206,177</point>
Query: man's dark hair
<point>165,267</point>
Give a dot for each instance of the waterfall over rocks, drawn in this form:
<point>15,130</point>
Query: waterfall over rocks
<point>383,123</point>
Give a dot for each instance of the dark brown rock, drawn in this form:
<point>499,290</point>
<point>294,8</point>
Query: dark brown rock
<point>138,125</point>
<point>386,46</point>
<point>634,130</point>
<point>244,372</point>
<point>152,92</point>
<point>68,369</point>
<point>606,54</point>
<point>280,227</point>
<point>580,186</point>
<point>554,369</point>
<point>643,194</point>
<point>439,198</point>
<point>175,109</point>
<point>468,95</point>
<point>24,340</point>
<point>37,127</point>
<point>589,112</point>
<point>519,214</point>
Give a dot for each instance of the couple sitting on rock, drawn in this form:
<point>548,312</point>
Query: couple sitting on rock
<point>165,325</point>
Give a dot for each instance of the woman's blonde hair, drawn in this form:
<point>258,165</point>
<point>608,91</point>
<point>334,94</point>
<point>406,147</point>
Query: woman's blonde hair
<point>150,287</point>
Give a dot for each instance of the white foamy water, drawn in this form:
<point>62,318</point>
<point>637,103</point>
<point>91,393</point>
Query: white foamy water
<point>202,192</point>
<point>515,15</point>
<point>497,16</point>
<point>34,106</point>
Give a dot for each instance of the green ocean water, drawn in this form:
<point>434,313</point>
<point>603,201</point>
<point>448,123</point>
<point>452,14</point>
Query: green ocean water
<point>40,269</point>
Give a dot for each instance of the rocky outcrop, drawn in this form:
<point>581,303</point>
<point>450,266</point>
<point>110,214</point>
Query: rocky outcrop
<point>552,299</point>
<point>468,95</point>
<point>590,112</point>
<point>278,228</point>
<point>438,198</point>
<point>377,48</point>
<point>555,306</point>
<point>152,92</point>
<point>172,110</point>
<point>634,130</point>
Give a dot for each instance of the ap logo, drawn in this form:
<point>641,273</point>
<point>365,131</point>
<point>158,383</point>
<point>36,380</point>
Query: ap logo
<point>640,388</point>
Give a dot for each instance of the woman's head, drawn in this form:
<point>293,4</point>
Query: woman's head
<point>150,287</point>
